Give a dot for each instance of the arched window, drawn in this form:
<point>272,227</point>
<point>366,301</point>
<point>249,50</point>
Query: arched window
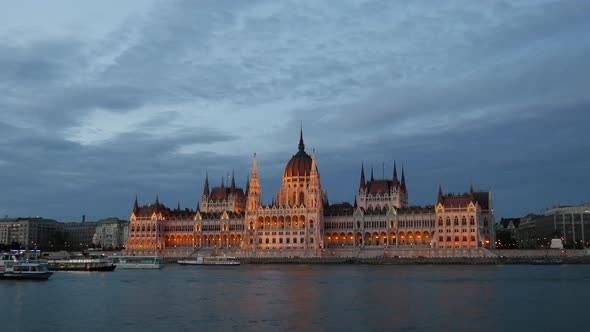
<point>463,221</point>
<point>471,221</point>
<point>440,221</point>
<point>448,221</point>
<point>456,221</point>
<point>293,201</point>
<point>301,198</point>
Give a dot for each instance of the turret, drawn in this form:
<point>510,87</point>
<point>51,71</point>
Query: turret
<point>395,180</point>
<point>206,188</point>
<point>233,184</point>
<point>363,184</point>
<point>254,199</point>
<point>403,184</point>
<point>135,206</point>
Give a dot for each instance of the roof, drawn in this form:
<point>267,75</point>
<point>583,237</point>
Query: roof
<point>221,193</point>
<point>339,209</point>
<point>483,199</point>
<point>299,165</point>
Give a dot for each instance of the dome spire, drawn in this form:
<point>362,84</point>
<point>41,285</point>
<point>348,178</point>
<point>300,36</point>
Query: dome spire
<point>301,145</point>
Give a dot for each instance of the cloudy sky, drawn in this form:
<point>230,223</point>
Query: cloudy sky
<point>101,101</point>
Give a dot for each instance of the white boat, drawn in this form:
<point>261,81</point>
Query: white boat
<point>137,262</point>
<point>14,266</point>
<point>81,264</point>
<point>213,260</point>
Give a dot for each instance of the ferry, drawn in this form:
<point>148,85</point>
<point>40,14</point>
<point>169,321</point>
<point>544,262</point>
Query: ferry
<point>137,262</point>
<point>14,266</point>
<point>213,260</point>
<point>81,264</point>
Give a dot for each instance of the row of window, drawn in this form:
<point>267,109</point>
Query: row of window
<point>456,230</point>
<point>280,233</point>
<point>280,240</point>
<point>449,238</point>
<point>456,221</point>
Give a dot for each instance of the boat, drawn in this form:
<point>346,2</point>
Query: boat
<point>137,262</point>
<point>213,260</point>
<point>83,264</point>
<point>14,266</point>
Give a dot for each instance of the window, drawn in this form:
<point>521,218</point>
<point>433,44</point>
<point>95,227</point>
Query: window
<point>294,240</point>
<point>448,221</point>
<point>274,240</point>
<point>456,221</point>
<point>472,237</point>
<point>280,240</point>
<point>311,240</point>
<point>448,239</point>
<point>260,240</point>
<point>302,240</point>
<point>464,237</point>
<point>440,222</point>
<point>440,239</point>
<point>288,240</point>
<point>267,241</point>
<point>456,238</point>
<point>463,221</point>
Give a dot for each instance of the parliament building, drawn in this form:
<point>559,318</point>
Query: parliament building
<point>301,222</point>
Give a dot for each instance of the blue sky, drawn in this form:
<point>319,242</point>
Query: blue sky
<point>102,101</point>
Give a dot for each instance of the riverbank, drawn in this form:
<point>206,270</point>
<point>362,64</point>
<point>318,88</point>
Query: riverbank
<point>412,261</point>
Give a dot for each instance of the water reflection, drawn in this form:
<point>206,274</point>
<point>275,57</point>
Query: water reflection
<point>303,298</point>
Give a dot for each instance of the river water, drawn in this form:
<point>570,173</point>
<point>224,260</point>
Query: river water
<point>303,298</point>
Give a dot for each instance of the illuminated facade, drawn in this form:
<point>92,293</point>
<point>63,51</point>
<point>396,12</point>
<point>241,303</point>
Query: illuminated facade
<point>299,221</point>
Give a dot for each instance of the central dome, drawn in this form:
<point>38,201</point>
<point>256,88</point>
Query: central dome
<point>300,164</point>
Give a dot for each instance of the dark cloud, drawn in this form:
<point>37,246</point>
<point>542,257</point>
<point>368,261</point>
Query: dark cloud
<point>459,92</point>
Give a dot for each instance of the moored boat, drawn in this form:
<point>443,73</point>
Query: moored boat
<point>137,262</point>
<point>213,260</point>
<point>84,264</point>
<point>17,267</point>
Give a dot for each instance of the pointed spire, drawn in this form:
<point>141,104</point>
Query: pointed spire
<point>157,199</point>
<point>403,185</point>
<point>254,167</point>
<point>233,183</point>
<point>355,203</point>
<point>206,188</point>
<point>395,180</point>
<point>135,205</point>
<point>363,183</point>
<point>198,206</point>
<point>178,206</point>
<point>471,191</point>
<point>301,145</point>
<point>247,184</point>
<point>314,167</point>
<point>372,178</point>
<point>440,194</point>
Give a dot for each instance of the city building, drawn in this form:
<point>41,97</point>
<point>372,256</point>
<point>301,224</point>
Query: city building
<point>78,235</point>
<point>570,223</point>
<point>300,221</point>
<point>31,233</point>
<point>111,233</point>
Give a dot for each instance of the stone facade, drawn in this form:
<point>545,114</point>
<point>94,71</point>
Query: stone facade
<point>299,221</point>
<point>31,233</point>
<point>111,233</point>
